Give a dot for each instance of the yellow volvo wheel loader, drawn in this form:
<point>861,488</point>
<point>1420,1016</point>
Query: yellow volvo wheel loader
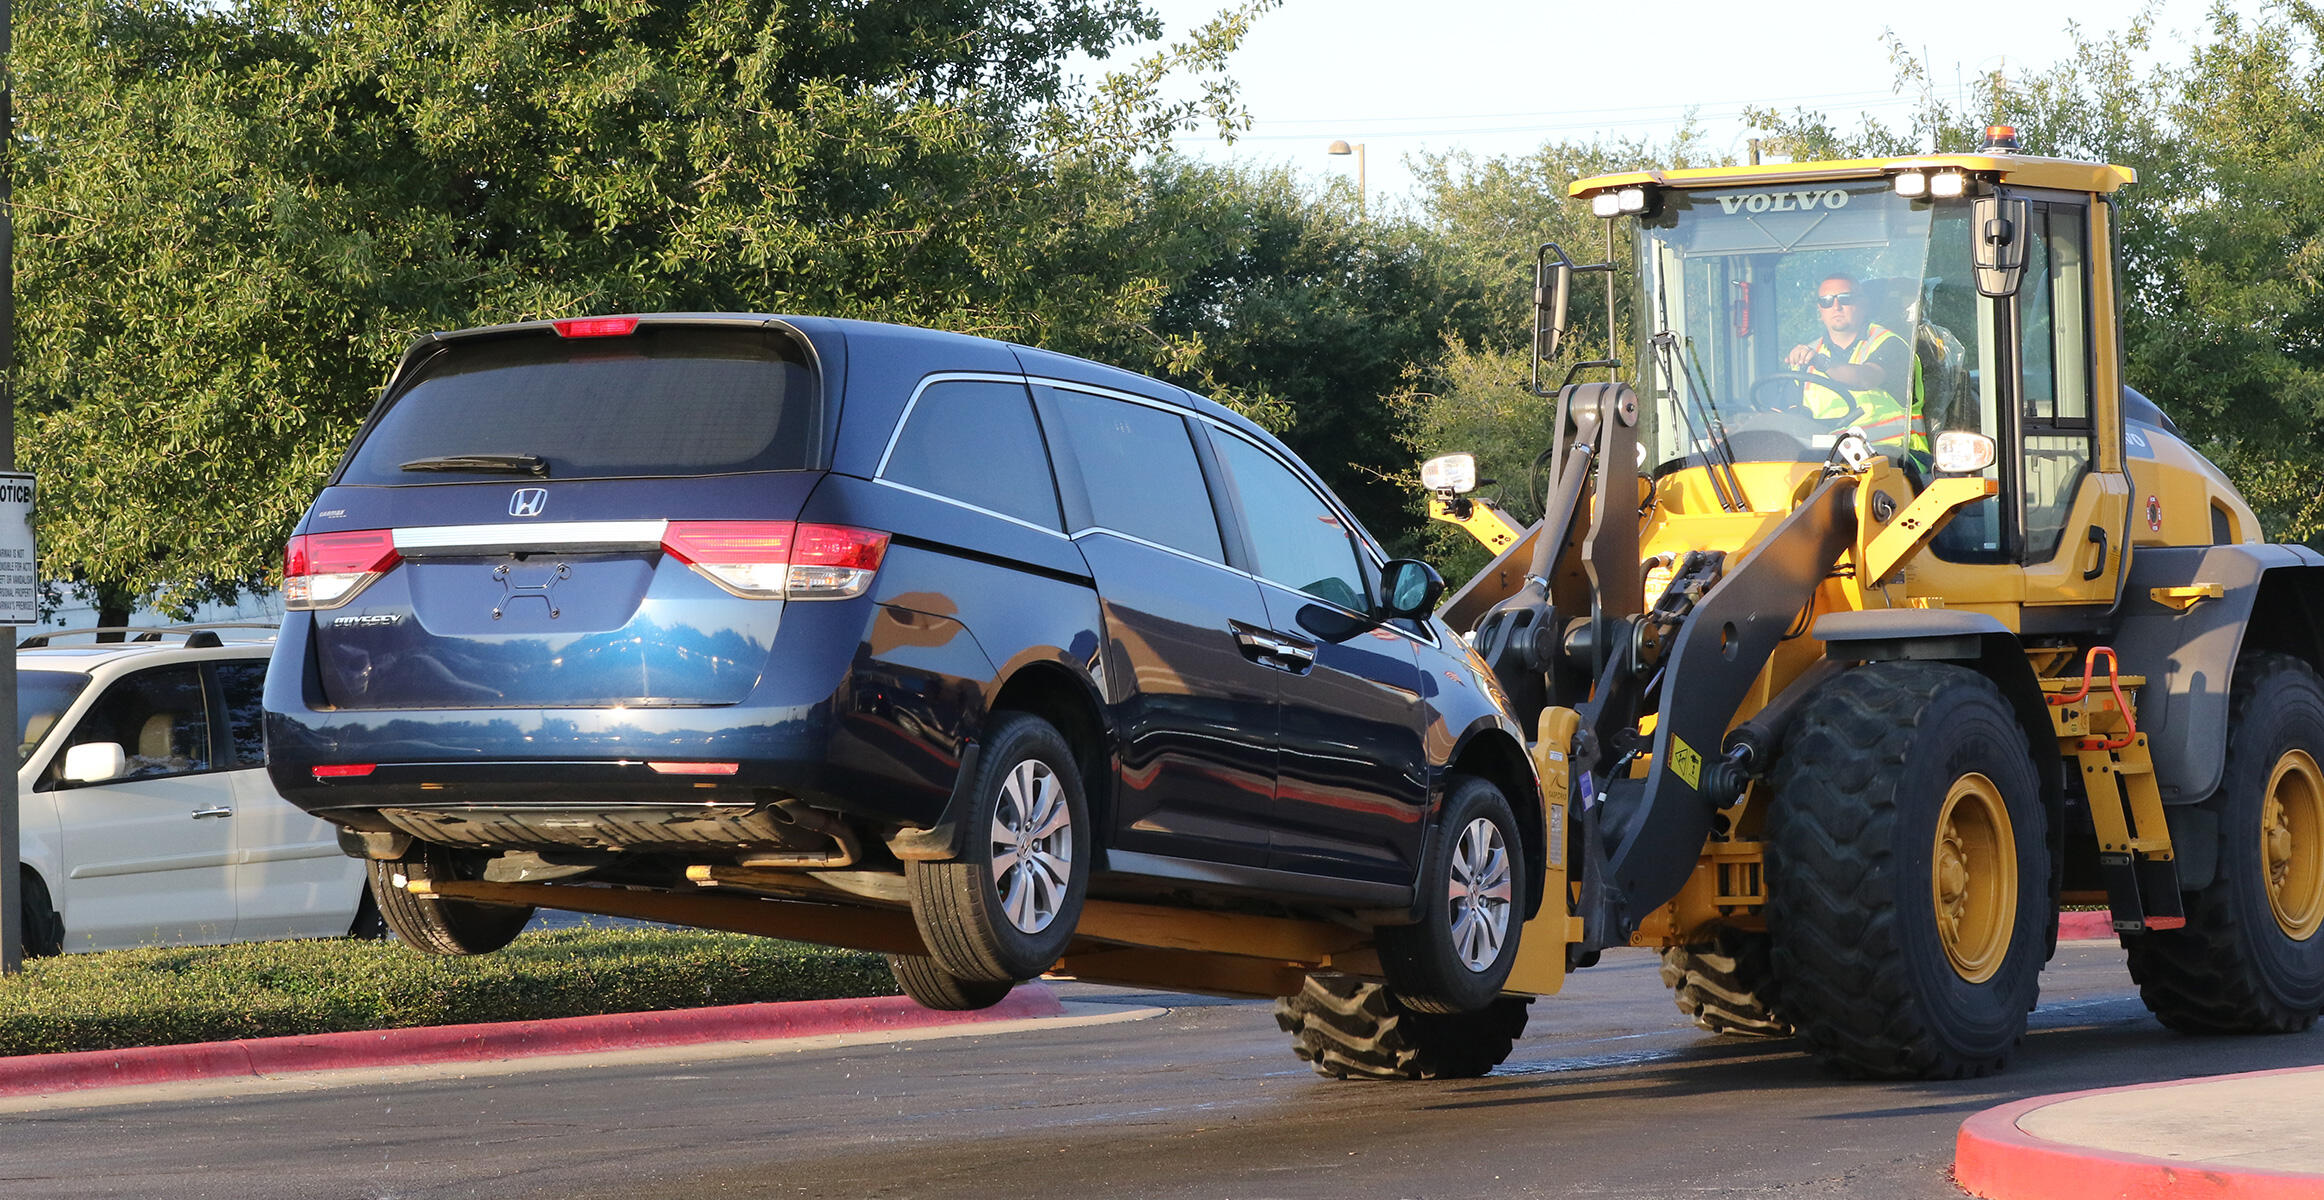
<point>1873,619</point>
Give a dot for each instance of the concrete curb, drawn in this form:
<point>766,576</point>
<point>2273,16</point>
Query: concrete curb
<point>1995,1159</point>
<point>48,1073</point>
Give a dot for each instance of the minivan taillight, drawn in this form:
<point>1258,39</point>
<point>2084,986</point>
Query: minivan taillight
<point>326,570</point>
<point>771,560</point>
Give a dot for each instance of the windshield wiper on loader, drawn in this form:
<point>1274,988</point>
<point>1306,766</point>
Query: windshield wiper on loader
<point>1716,454</point>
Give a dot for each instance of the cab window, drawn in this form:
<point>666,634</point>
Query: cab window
<point>2053,312</point>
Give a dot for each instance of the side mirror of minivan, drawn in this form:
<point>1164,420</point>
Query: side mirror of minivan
<point>1411,588</point>
<point>95,762</point>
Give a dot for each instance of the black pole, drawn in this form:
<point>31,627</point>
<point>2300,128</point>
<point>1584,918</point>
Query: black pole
<point>11,871</point>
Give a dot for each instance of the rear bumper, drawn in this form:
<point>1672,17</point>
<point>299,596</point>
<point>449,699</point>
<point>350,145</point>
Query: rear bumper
<point>837,725</point>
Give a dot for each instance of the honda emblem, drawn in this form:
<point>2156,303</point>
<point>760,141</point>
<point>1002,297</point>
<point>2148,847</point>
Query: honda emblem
<point>528,502</point>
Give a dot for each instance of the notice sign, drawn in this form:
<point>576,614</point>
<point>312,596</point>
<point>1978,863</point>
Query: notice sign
<point>19,571</point>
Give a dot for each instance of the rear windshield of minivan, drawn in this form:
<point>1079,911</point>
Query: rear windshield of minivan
<point>658,402</point>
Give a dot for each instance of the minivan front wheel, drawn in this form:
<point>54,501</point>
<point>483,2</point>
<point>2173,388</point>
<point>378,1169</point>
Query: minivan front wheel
<point>1472,886</point>
<point>1005,908</point>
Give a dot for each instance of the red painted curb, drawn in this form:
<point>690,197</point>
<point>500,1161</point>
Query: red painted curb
<point>1996,1160</point>
<point>41,1073</point>
<point>2084,926</point>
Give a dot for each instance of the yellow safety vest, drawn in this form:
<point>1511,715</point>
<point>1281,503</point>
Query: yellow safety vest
<point>1882,417</point>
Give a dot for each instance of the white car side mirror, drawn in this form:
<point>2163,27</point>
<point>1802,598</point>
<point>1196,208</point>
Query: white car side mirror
<point>95,762</point>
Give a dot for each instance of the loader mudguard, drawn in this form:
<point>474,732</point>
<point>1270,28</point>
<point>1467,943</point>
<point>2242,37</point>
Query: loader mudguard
<point>1971,639</point>
<point>1655,826</point>
<point>2186,643</point>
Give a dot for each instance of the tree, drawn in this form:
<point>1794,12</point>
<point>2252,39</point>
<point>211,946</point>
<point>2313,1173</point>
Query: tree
<point>232,219</point>
<point>1485,221</point>
<point>1300,311</point>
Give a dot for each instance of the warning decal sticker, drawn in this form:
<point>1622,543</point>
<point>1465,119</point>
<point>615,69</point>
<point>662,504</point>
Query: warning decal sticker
<point>1685,763</point>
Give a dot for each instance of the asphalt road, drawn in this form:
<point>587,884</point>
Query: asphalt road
<point>1610,1093</point>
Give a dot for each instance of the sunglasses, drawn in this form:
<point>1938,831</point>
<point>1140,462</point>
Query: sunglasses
<point>1847,298</point>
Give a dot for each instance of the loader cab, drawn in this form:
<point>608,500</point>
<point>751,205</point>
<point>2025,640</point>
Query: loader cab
<point>1981,291</point>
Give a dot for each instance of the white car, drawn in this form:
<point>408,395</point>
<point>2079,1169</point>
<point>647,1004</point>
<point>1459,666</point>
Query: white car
<point>146,814</point>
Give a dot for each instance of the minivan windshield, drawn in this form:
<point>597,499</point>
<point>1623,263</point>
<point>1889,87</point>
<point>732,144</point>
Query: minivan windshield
<point>42,697</point>
<point>1756,302</point>
<point>657,402</point>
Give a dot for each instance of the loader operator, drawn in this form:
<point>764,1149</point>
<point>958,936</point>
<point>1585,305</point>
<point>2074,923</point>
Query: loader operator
<point>1869,360</point>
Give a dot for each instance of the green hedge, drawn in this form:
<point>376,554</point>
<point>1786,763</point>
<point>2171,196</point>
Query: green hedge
<point>167,995</point>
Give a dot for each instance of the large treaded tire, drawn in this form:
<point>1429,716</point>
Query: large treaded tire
<point>2233,968</point>
<point>931,986</point>
<point>1473,885</point>
<point>434,926</point>
<point>1346,1028</point>
<point>1871,764</point>
<point>962,907</point>
<point>1727,985</point>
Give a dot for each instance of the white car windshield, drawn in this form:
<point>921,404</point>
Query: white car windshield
<point>42,697</point>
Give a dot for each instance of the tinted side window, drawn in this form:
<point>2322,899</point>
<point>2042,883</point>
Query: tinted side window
<point>1138,466</point>
<point>1295,538</point>
<point>244,685</point>
<point>159,719</point>
<point>977,442</point>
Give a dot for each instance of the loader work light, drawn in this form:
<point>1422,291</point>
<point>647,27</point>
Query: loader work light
<point>1605,204</point>
<point>1450,473</point>
<point>1944,185</point>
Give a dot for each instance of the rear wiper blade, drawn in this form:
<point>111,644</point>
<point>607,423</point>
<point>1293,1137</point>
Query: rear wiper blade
<point>530,464</point>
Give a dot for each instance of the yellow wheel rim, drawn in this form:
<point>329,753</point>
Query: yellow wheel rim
<point>2291,836</point>
<point>1974,880</point>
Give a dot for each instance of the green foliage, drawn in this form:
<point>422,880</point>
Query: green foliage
<point>232,218</point>
<point>1486,220</point>
<point>1303,313</point>
<point>165,996</point>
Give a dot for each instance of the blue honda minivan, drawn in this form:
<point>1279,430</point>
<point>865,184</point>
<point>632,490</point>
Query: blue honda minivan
<point>611,598</point>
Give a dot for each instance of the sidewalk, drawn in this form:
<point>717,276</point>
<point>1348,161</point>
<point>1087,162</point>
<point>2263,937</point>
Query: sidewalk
<point>2225,1137</point>
<point>2254,1136</point>
<point>49,1074</point>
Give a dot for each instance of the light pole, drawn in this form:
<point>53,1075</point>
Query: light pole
<point>1342,148</point>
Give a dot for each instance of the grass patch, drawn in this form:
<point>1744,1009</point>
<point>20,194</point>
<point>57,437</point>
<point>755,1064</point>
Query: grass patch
<point>169,995</point>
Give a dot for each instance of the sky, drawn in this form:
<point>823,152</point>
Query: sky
<point>1501,77</point>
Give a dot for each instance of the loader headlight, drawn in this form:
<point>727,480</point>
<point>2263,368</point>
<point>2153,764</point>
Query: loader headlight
<point>1451,474</point>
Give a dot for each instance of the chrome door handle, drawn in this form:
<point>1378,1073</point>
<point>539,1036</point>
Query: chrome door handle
<point>213,811</point>
<point>1271,649</point>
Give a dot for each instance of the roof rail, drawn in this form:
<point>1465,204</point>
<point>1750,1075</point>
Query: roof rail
<point>199,635</point>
